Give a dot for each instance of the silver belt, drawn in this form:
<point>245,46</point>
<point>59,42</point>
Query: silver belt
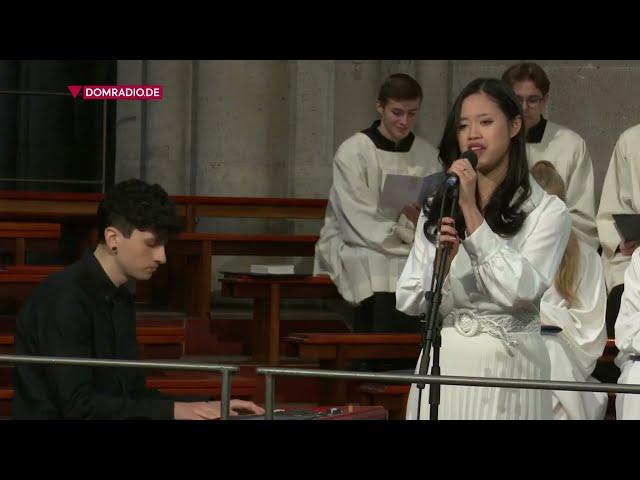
<point>469,324</point>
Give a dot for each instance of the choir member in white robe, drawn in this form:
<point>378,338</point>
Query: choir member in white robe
<point>576,303</point>
<point>515,236</point>
<point>620,194</point>
<point>363,246</point>
<point>628,341</point>
<point>564,148</point>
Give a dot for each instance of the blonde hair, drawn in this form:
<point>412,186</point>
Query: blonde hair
<point>567,275</point>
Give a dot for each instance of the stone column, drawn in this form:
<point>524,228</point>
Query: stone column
<point>434,77</point>
<point>129,124</point>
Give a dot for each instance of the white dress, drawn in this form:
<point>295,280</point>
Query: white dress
<point>568,153</point>
<point>620,194</point>
<point>628,341</point>
<point>490,306</point>
<point>575,351</point>
<point>363,247</point>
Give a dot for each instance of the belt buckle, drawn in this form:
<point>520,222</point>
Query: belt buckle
<point>466,323</point>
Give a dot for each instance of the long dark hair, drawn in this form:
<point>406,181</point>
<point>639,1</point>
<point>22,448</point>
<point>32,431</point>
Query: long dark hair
<point>503,215</point>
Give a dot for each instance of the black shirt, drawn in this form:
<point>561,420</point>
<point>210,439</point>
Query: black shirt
<point>79,312</point>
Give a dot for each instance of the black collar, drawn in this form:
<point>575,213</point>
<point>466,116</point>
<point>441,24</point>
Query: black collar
<point>535,133</point>
<point>383,143</point>
<point>98,283</point>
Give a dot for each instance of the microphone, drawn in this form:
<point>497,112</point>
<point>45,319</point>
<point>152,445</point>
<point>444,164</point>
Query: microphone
<point>452,180</point>
<point>447,188</point>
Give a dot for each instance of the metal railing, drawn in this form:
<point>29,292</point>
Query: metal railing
<point>271,372</point>
<point>224,370</point>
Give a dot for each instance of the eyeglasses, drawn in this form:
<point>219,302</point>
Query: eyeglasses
<point>532,100</point>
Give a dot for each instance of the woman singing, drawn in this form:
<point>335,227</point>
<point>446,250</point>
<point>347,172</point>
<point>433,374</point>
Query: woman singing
<point>513,236</point>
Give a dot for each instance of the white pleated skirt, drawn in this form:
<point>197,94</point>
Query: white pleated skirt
<point>486,356</point>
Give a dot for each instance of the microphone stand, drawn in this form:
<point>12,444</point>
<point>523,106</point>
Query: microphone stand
<point>431,321</point>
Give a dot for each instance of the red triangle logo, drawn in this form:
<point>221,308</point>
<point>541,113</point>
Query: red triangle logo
<point>74,89</point>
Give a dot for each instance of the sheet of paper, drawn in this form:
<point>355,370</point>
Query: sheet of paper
<point>401,190</point>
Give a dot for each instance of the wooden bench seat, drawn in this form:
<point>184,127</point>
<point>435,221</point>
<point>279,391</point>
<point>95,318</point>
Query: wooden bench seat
<point>391,396</point>
<point>16,238</point>
<point>335,351</point>
<point>205,384</point>
<point>6,399</point>
<point>161,337</point>
<point>267,291</point>
<point>6,342</point>
<point>26,230</point>
<point>43,270</point>
<point>17,282</point>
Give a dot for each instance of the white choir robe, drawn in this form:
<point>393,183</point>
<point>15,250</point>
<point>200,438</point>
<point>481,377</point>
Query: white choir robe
<point>362,247</point>
<point>575,351</point>
<point>628,341</point>
<point>620,194</point>
<point>568,153</point>
<point>493,294</point>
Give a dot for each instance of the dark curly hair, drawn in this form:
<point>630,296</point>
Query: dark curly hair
<point>134,204</point>
<point>503,212</point>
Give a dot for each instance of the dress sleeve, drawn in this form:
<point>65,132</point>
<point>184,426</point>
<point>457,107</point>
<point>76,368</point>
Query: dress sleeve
<point>517,279</point>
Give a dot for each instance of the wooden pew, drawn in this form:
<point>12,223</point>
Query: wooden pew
<point>19,281</point>
<point>199,384</point>
<point>191,265</point>
<point>186,281</point>
<point>44,270</point>
<point>161,337</point>
<point>73,209</point>
<point>82,207</point>
<point>267,291</point>
<point>6,398</point>
<point>392,396</point>
<point>335,352</point>
<point>19,237</point>
<point>6,342</point>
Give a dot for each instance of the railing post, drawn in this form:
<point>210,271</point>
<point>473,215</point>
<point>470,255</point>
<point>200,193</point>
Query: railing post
<point>225,399</point>
<point>269,394</point>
